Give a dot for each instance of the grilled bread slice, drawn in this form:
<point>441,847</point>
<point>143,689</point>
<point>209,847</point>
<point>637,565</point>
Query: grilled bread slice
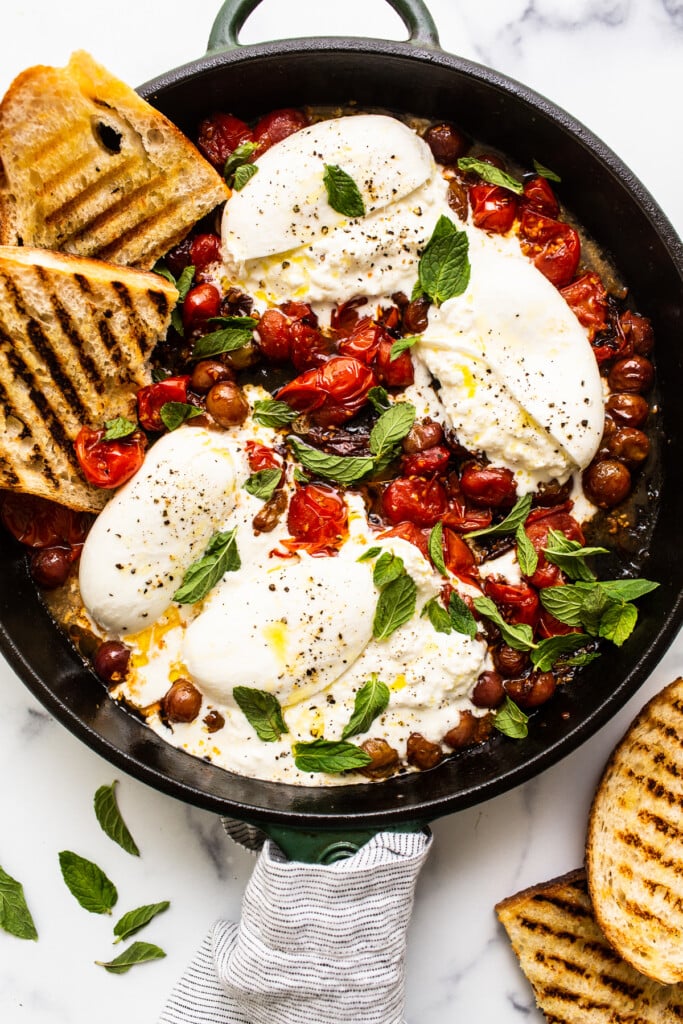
<point>75,336</point>
<point>634,852</point>
<point>576,976</point>
<point>88,167</point>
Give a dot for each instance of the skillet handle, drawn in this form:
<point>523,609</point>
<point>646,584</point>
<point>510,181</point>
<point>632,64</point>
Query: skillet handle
<point>327,847</point>
<point>234,13</point>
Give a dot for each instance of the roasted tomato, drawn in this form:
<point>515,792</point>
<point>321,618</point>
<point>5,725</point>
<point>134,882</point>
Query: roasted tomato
<point>460,514</point>
<point>260,456</point>
<point>204,249</point>
<point>219,135</point>
<point>413,534</point>
<point>109,463</point>
<point>39,523</point>
<point>539,196</point>
<point>414,499</point>
<point>554,246</point>
<point>276,126</point>
<point>587,299</point>
<point>317,518</point>
<point>363,341</point>
<point>458,555</point>
<point>308,346</point>
<point>274,337</point>
<point>518,603</point>
<point>201,303</point>
<point>395,373</point>
<point>154,396</point>
<point>493,208</point>
<point>333,393</point>
<point>548,626</point>
<point>538,526</point>
<point>430,462</point>
<point>488,486</point>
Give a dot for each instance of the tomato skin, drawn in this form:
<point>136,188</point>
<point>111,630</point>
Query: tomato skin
<point>415,499</point>
<point>300,311</point>
<point>40,523</point>
<point>219,135</point>
<point>549,626</point>
<point>537,529</point>
<point>430,461</point>
<point>109,463</point>
<point>201,302</point>
<point>587,299</point>
<point>458,556</point>
<point>413,534</point>
<point>204,249</point>
<point>152,397</point>
<point>554,246</point>
<point>488,486</point>
<point>363,341</point>
<point>460,515</point>
<point>518,603</point>
<point>539,196</point>
<point>332,393</point>
<point>397,373</point>
<point>317,518</point>
<point>276,126</point>
<point>309,348</point>
<point>260,456</point>
<point>274,337</point>
<point>493,208</point>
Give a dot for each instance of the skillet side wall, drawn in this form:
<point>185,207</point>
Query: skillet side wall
<point>614,208</point>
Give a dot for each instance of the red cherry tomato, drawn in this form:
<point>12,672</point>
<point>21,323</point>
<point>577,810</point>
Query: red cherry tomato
<point>415,499</point>
<point>458,557</point>
<point>260,456</point>
<point>587,299</point>
<point>554,246</point>
<point>488,486</point>
<point>493,208</point>
<point>274,338</point>
<point>363,341</point>
<point>317,518</point>
<point>344,317</point>
<point>539,196</point>
<point>219,135</point>
<point>276,126</point>
<point>430,462</point>
<point>309,348</point>
<point>332,393</point>
<point>518,604</point>
<point>537,529</point>
<point>39,523</point>
<point>204,249</point>
<point>152,397</point>
<point>396,373</point>
<point>413,534</point>
<point>548,626</point>
<point>109,463</point>
<point>200,303</point>
<point>300,311</point>
<point>460,515</point>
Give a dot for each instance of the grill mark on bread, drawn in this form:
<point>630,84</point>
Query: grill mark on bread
<point>49,414</point>
<point>104,186</point>
<point>667,828</point>
<point>566,906</point>
<point>152,233</point>
<point>106,221</point>
<point>71,330</point>
<point>654,787</point>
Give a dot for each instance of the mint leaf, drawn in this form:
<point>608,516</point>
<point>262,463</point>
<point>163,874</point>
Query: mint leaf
<point>238,158</point>
<point>342,469</point>
<point>111,822</point>
<point>183,285</point>
<point>268,412</point>
<point>15,917</point>
<point>545,172</point>
<point>378,398</point>
<point>437,615</point>
<point>520,637</point>
<point>627,590</point>
<point>564,603</point>
<point>488,172</point>
<point>526,552</point>
<point>263,712</point>
<point>221,556</point>
<point>88,883</point>
<point>393,425</point>
<point>402,345</point>
<point>263,483</point>
<point>618,622</point>
<point>511,720</point>
<point>243,174</point>
<point>435,548</point>
<point>119,427</point>
<point>444,267</point>
<point>517,515</point>
<point>584,658</point>
<point>174,414</point>
<point>388,567</point>
<point>329,756</point>
<point>371,700</point>
<point>369,554</point>
<point>343,194</point>
<point>462,619</point>
<point>591,604</point>
<point>137,953</point>
<point>550,650</point>
<point>395,607</point>
<point>570,556</point>
<point>228,339</point>
<point>136,919</point>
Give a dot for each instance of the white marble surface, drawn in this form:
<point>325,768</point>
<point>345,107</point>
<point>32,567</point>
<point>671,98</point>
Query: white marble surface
<point>618,66</point>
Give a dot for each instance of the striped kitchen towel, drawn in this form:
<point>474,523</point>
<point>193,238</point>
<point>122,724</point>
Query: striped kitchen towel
<point>317,944</point>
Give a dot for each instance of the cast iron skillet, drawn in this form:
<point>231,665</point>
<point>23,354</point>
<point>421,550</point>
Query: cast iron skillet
<point>417,77</point>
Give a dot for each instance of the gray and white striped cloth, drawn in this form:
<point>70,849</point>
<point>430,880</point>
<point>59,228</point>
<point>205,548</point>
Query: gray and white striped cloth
<point>316,944</point>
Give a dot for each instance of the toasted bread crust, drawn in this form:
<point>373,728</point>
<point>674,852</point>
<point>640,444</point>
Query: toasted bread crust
<point>90,168</point>
<point>634,851</point>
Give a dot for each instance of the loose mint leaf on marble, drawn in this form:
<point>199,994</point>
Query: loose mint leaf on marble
<point>371,700</point>
<point>87,883</point>
<point>15,917</point>
<point>137,953</point>
<point>111,822</point>
<point>136,919</point>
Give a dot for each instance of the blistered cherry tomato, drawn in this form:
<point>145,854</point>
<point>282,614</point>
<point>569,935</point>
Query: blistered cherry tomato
<point>154,396</point>
<point>548,625</point>
<point>518,603</point>
<point>395,373</point>
<point>109,463</point>
<point>446,143</point>
<point>493,208</point>
<point>260,456</point>
<point>219,135</point>
<point>554,246</point>
<point>300,311</point>
<point>488,486</point>
<point>317,517</point>
<point>333,393</point>
<point>587,299</point>
<point>276,126</point>
<point>50,566</point>
<point>457,554</point>
<point>274,337</point>
<point>363,341</point>
<point>539,196</point>
<point>537,530</point>
<point>205,249</point>
<point>430,462</point>
<point>39,523</point>
<point>413,534</point>
<point>200,303</point>
<point>414,499</point>
<point>309,348</point>
<point>460,514</point>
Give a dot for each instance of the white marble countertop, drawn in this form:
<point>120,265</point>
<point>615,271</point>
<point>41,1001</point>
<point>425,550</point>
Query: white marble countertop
<point>617,65</point>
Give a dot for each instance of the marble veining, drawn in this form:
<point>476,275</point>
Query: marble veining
<point>617,65</point>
